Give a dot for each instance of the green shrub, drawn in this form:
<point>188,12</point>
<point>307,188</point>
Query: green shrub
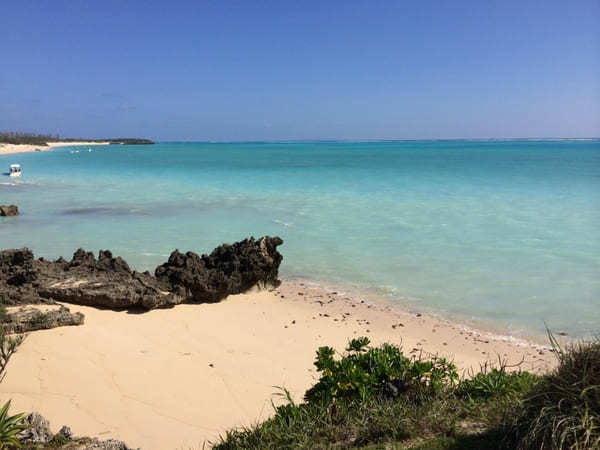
<point>496,382</point>
<point>10,427</point>
<point>58,440</point>
<point>563,409</point>
<point>364,372</point>
<point>352,406</point>
<point>344,424</point>
<point>369,395</point>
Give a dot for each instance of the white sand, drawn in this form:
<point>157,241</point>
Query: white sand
<point>147,378</point>
<point>8,149</point>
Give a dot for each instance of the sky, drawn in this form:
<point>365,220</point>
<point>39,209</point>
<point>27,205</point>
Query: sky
<point>295,70</point>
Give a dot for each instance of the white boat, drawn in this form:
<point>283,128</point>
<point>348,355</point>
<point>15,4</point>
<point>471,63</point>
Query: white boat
<point>15,170</point>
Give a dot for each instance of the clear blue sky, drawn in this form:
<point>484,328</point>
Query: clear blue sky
<point>268,70</point>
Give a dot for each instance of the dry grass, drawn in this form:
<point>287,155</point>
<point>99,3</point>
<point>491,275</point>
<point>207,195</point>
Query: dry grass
<point>563,410</point>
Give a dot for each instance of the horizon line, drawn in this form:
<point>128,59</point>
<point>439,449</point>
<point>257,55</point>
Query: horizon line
<point>225,141</point>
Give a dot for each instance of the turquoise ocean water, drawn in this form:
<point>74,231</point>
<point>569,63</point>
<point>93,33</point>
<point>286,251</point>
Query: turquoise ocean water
<point>501,231</point>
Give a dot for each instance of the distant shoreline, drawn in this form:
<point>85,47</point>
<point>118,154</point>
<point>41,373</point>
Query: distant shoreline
<point>10,149</point>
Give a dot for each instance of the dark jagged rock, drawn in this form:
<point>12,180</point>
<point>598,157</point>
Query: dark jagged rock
<point>106,282</point>
<point>32,319</point>
<point>105,262</point>
<point>9,210</point>
<point>16,267</point>
<point>82,258</point>
<point>18,278</point>
<point>229,269</point>
<point>109,281</point>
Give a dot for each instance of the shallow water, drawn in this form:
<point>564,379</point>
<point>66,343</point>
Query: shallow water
<point>506,231</point>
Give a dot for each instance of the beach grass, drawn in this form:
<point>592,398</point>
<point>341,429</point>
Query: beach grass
<point>379,398</point>
<point>563,410</point>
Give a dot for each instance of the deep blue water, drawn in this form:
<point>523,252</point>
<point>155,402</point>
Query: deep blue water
<point>505,231</point>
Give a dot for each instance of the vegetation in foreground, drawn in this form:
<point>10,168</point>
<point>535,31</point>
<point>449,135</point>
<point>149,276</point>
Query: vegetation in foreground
<point>10,426</point>
<point>379,398</point>
<point>563,409</point>
<point>376,397</point>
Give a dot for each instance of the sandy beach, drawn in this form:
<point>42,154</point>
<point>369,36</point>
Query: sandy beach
<point>9,149</point>
<point>175,378</point>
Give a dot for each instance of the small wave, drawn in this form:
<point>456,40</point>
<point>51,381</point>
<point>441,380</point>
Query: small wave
<point>388,290</point>
<point>103,210</point>
<point>285,224</point>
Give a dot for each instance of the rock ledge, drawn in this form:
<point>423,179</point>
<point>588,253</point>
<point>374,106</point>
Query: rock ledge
<point>109,282</point>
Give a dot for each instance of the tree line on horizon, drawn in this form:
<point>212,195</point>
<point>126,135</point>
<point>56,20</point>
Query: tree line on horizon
<point>12,137</point>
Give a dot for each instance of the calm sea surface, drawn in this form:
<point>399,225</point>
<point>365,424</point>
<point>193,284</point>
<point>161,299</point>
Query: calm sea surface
<point>503,231</point>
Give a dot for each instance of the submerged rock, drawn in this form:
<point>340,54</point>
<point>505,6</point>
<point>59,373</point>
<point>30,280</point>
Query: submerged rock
<point>109,282</point>
<point>9,210</point>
